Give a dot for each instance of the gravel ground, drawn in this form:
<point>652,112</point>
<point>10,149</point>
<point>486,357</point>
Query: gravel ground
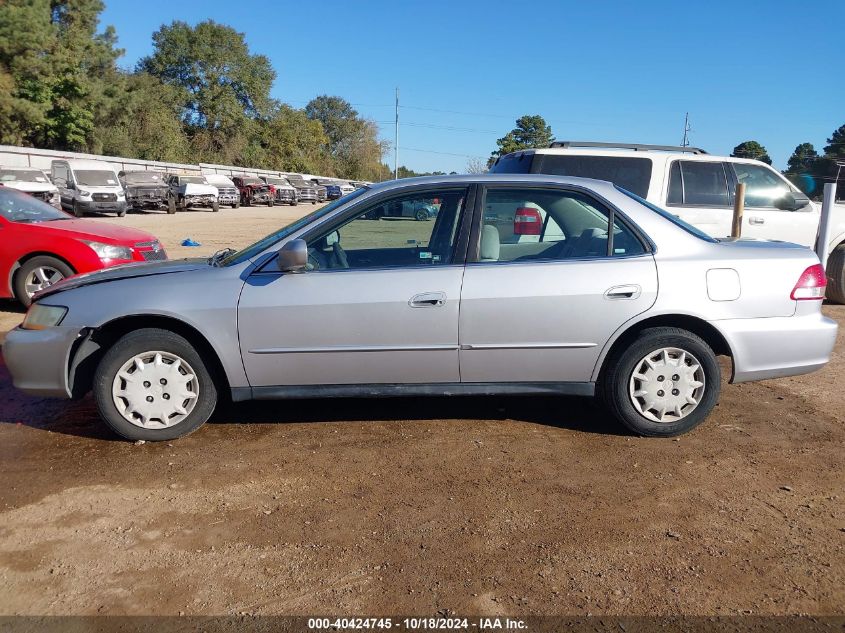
<point>477,505</point>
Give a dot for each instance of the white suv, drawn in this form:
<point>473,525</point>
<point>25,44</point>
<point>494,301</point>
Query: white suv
<point>697,187</point>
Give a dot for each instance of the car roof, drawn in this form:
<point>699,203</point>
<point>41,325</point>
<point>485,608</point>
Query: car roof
<point>457,179</point>
<point>657,155</point>
<point>85,163</point>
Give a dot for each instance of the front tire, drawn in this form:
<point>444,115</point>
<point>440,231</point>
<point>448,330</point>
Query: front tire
<point>171,206</point>
<point>836,275</point>
<point>153,385</point>
<point>36,274</point>
<point>77,209</point>
<point>421,215</point>
<point>215,207</point>
<point>662,384</point>
<point>270,202</point>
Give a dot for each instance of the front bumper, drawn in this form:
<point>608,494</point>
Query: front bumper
<point>228,199</point>
<point>91,205</point>
<point>200,201</point>
<point>285,196</point>
<point>38,360</point>
<point>778,346</point>
<point>146,202</point>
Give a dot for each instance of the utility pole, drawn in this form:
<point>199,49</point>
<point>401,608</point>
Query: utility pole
<point>396,141</point>
<point>685,142</point>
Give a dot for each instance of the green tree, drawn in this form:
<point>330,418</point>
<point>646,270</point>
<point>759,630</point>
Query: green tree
<point>57,72</point>
<point>752,150</point>
<point>835,147</point>
<point>802,167</point>
<point>353,145</point>
<point>145,122</point>
<point>294,142</point>
<point>224,88</point>
<point>530,131</point>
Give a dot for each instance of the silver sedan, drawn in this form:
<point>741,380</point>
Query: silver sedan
<point>520,285</point>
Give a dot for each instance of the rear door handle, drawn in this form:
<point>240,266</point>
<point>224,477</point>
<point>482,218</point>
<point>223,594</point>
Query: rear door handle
<point>428,300</point>
<point>630,291</point>
<point>756,220</point>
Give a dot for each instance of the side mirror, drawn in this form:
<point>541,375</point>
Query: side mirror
<point>70,185</point>
<point>792,201</point>
<point>293,257</point>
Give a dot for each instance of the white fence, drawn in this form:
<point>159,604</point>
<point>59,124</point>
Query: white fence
<point>11,156</point>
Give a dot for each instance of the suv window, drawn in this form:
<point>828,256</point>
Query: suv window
<point>630,172</point>
<point>389,234</point>
<point>698,183</point>
<point>528,224</point>
<point>515,163</point>
<point>762,186</point>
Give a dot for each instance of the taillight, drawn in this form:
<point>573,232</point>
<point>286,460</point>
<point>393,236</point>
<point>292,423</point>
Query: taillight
<point>810,285</point>
<point>527,221</point>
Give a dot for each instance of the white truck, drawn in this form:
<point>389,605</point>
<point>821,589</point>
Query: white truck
<point>32,181</point>
<point>699,188</point>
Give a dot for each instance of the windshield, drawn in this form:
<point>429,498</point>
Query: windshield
<point>95,177</point>
<point>196,180</point>
<point>20,207</point>
<point>253,181</point>
<point>266,242</point>
<point>133,177</point>
<point>674,219</point>
<point>277,181</point>
<point>22,175</point>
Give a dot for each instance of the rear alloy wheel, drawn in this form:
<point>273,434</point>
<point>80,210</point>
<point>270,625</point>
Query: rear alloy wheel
<point>836,275</point>
<point>662,384</point>
<point>37,274</point>
<point>153,385</point>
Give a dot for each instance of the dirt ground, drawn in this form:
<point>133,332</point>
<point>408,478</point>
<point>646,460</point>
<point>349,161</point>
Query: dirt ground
<point>475,505</point>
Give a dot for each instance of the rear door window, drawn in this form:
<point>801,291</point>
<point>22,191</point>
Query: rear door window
<point>698,183</point>
<point>630,172</point>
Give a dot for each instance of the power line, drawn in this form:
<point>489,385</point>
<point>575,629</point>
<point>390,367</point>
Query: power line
<point>430,151</point>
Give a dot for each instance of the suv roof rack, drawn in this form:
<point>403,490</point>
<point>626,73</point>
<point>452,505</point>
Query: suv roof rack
<point>637,147</point>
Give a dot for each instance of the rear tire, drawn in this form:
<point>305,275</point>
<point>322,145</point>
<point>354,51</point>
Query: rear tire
<point>421,215</point>
<point>40,271</point>
<point>671,373</point>
<point>836,275</point>
<point>197,396</point>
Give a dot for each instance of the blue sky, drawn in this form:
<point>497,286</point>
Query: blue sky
<point>600,70</point>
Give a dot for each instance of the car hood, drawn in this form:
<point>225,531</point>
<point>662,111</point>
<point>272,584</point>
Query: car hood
<point>80,228</point>
<point>196,189</point>
<point>30,187</point>
<point>126,271</point>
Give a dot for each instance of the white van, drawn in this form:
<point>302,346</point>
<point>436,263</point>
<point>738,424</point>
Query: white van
<point>88,185</point>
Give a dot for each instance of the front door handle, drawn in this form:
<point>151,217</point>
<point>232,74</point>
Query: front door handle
<point>428,300</point>
<point>756,220</point>
<point>630,291</point>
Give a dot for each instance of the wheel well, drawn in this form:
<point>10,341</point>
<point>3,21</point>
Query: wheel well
<point>87,353</point>
<point>697,326</point>
<point>17,265</point>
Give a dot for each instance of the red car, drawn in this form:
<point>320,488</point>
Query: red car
<point>39,245</point>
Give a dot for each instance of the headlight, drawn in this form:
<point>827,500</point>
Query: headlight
<point>84,193</point>
<point>55,198</point>
<point>109,251</point>
<point>40,317</point>
<point>120,194</point>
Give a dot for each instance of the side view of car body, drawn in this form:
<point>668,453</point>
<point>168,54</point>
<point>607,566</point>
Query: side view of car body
<point>42,245</point>
<point>145,190</point>
<point>191,191</point>
<point>88,186</point>
<point>227,193</point>
<point>623,301</point>
<point>31,181</point>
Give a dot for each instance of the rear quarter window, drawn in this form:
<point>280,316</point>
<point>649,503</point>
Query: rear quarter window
<point>516,163</point>
<point>629,172</point>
